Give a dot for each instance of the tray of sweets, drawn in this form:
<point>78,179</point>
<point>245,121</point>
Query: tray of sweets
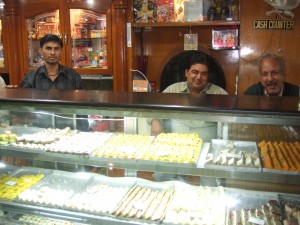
<point>100,196</point>
<point>280,157</point>
<point>145,202</point>
<point>290,208</point>
<point>196,205</point>
<point>233,155</point>
<point>123,147</point>
<point>174,149</point>
<point>27,219</point>
<point>18,181</point>
<point>252,207</point>
<point>55,189</point>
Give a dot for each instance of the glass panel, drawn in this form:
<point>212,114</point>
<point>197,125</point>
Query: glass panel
<point>37,27</point>
<point>1,47</point>
<point>88,37</point>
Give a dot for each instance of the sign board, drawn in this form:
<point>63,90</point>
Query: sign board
<point>140,86</point>
<point>274,24</point>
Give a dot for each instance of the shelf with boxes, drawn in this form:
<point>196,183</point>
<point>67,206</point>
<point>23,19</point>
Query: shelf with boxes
<point>207,12</point>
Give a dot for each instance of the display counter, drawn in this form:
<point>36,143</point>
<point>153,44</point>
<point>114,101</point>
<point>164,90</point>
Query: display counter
<point>253,139</point>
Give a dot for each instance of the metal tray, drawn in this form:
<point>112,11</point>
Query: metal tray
<point>266,170</point>
<point>20,180</point>
<point>139,207</point>
<point>31,171</point>
<point>254,205</point>
<point>233,155</point>
<point>196,205</point>
<point>55,189</point>
<point>82,143</point>
<point>6,168</point>
<point>16,218</point>
<point>289,205</point>
<point>100,196</point>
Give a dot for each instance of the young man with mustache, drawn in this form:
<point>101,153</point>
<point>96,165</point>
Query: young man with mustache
<point>272,75</point>
<point>52,75</point>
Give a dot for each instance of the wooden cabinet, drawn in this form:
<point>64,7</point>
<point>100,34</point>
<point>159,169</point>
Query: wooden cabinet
<point>159,42</point>
<point>84,28</point>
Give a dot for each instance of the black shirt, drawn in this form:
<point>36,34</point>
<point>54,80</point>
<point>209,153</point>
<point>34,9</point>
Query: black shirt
<point>67,79</point>
<point>258,89</point>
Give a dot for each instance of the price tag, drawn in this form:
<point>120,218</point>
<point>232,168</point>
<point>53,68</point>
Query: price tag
<point>256,221</point>
<point>232,155</point>
<point>11,182</point>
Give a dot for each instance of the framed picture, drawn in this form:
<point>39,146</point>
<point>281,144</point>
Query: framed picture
<point>225,38</point>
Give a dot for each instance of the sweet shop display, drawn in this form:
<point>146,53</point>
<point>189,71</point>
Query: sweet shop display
<point>280,156</point>
<point>233,155</point>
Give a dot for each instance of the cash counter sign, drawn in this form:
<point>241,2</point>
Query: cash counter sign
<point>274,24</point>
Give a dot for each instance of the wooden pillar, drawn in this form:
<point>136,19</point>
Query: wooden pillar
<point>14,46</point>
<point>119,10</point>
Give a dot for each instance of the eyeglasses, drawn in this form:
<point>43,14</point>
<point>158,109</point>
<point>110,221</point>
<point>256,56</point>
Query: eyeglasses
<point>272,73</point>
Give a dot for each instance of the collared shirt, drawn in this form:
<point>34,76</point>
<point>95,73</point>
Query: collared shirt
<point>67,79</point>
<point>2,83</point>
<point>182,87</point>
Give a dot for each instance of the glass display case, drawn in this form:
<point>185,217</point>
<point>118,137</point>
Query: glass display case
<point>228,139</point>
<point>84,27</point>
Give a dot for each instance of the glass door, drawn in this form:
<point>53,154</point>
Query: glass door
<point>37,27</point>
<point>88,39</point>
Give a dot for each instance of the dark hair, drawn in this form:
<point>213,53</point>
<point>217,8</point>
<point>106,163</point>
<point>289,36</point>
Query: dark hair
<point>52,38</point>
<point>174,70</point>
<point>199,58</point>
<point>277,58</point>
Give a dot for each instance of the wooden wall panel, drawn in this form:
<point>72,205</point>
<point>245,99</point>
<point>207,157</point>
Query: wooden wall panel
<point>160,44</point>
<point>255,43</point>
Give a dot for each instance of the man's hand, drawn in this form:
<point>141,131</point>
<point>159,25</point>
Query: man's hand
<point>156,127</point>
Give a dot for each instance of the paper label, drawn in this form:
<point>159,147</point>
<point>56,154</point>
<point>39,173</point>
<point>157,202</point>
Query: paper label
<point>256,221</point>
<point>11,182</point>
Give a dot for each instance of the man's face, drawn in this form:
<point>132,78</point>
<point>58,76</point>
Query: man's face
<point>271,77</point>
<point>51,52</point>
<point>197,77</point>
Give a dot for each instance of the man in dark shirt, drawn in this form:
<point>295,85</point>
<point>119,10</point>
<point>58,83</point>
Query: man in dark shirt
<point>52,74</point>
<point>272,73</point>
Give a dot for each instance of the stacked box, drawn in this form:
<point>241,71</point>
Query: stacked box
<point>144,11</point>
<point>165,11</point>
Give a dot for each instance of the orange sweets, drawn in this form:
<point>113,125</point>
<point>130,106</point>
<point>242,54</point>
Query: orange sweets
<point>280,156</point>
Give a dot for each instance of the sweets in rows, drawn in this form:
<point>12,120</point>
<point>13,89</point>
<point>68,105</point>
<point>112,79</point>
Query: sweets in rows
<point>280,156</point>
